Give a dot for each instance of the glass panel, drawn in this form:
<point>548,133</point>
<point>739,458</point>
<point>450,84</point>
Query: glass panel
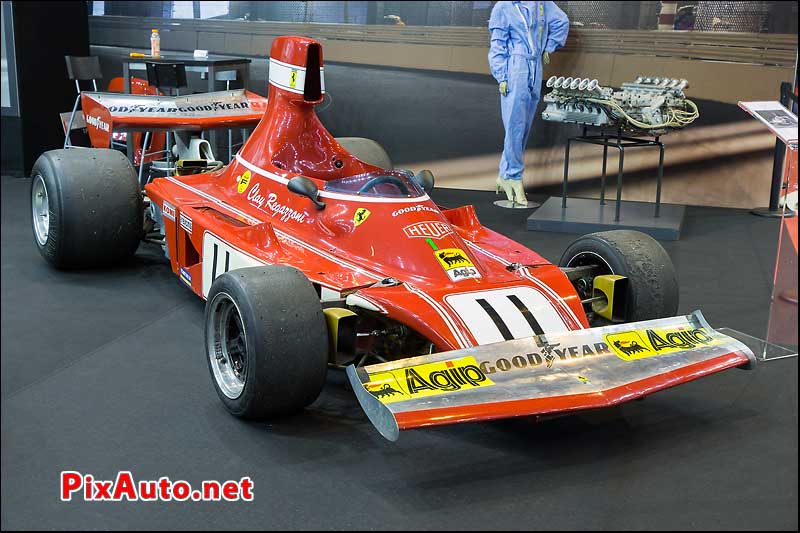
<point>183,10</point>
<point>386,184</point>
<point>763,350</point>
<point>8,77</point>
<point>210,10</point>
<point>98,8</point>
<point>782,327</point>
<point>751,17</point>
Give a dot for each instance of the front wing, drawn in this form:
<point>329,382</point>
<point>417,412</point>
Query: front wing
<point>546,374</point>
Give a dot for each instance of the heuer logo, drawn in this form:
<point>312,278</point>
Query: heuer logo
<point>429,229</point>
<point>98,123</point>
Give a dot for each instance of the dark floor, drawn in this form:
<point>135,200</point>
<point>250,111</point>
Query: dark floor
<point>104,371</point>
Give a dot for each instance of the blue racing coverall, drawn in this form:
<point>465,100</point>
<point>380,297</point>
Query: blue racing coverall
<point>520,33</point>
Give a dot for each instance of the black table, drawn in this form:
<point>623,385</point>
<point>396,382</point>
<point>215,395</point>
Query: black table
<point>211,64</point>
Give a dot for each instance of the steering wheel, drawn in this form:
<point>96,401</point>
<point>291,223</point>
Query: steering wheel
<point>378,180</point>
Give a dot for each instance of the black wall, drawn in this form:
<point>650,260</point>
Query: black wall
<point>44,33</point>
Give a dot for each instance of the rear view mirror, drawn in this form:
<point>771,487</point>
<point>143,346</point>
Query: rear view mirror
<point>305,187</point>
<point>425,179</point>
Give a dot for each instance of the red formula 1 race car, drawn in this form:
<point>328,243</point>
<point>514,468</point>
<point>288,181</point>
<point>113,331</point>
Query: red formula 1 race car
<point>311,256</point>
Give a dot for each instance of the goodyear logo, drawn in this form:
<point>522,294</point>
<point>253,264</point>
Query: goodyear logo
<point>243,181</point>
<point>642,343</point>
<point>361,216</point>
<point>293,79</point>
<point>547,355</point>
<point>456,263</point>
<point>425,380</point>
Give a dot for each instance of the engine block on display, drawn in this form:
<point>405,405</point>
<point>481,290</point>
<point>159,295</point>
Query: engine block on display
<point>648,105</point>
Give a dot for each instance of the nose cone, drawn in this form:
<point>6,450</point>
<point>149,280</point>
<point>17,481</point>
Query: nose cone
<point>295,69</point>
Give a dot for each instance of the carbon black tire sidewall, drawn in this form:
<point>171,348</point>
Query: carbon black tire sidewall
<point>95,207</point>
<point>286,338</point>
<point>653,290</point>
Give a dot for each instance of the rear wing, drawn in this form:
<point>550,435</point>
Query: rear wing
<point>546,374</point>
<point>107,112</point>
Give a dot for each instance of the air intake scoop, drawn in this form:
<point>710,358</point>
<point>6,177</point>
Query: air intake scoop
<point>295,69</point>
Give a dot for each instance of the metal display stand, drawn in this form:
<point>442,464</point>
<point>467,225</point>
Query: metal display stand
<point>587,215</point>
<point>620,142</point>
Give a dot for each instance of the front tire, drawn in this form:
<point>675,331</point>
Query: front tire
<point>86,207</point>
<point>652,281</point>
<point>266,341</point>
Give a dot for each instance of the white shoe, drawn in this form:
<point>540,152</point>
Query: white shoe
<point>519,192</point>
<point>505,185</point>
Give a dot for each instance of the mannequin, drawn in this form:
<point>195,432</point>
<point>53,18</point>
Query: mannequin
<point>523,34</point>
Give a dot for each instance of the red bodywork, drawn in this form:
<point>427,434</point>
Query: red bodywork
<point>158,140</point>
<point>107,115</point>
<point>260,221</point>
<point>445,265</point>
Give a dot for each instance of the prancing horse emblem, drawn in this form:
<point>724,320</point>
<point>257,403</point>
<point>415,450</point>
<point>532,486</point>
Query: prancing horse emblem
<point>360,216</point>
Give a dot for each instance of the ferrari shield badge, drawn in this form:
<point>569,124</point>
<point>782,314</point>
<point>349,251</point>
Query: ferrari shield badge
<point>456,263</point>
<point>361,215</point>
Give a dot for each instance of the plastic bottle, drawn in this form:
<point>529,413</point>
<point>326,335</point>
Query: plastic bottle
<point>155,44</point>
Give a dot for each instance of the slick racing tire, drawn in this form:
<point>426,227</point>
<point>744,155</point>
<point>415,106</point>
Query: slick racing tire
<point>86,207</point>
<point>367,151</point>
<point>266,341</point>
<point>652,282</point>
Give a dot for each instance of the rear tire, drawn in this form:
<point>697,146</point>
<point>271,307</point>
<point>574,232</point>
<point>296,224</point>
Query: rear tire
<point>367,151</point>
<point>266,341</point>
<point>652,282</point>
<point>86,206</point>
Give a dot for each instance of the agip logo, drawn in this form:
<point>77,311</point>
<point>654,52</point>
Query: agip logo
<point>429,379</point>
<point>642,343</point>
<point>456,263</point>
<point>243,181</point>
